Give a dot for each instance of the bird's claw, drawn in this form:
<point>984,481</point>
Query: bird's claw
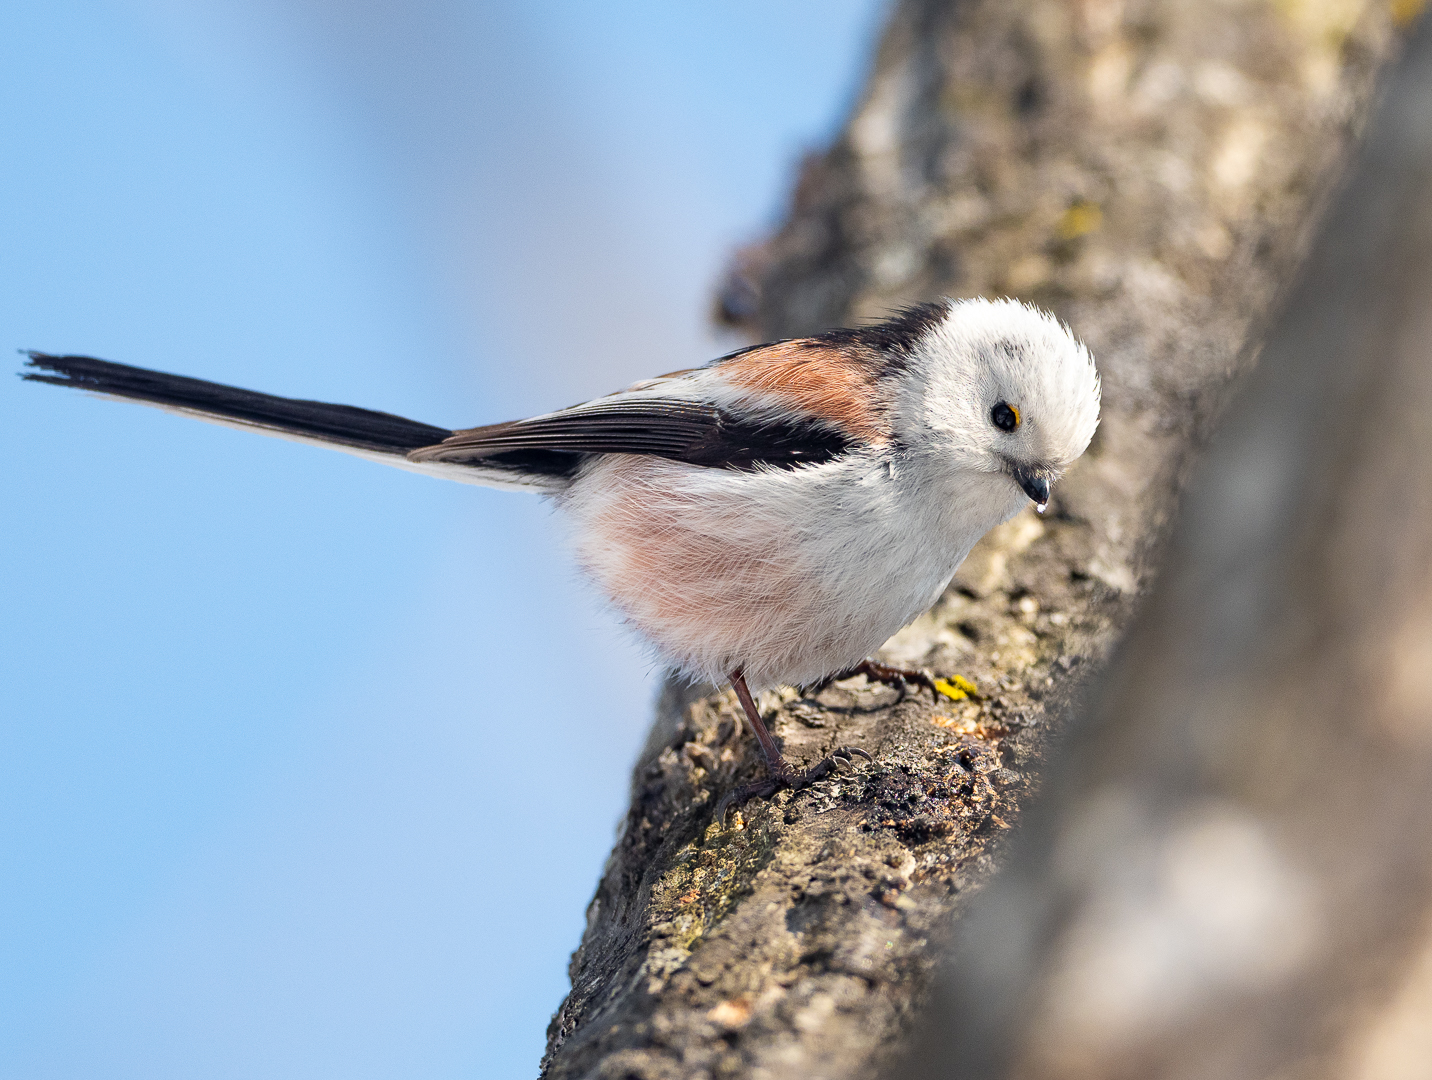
<point>841,755</point>
<point>761,789</point>
<point>764,789</point>
<point>898,677</point>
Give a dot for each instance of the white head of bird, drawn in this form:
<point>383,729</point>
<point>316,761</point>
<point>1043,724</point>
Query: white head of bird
<point>1001,388</point>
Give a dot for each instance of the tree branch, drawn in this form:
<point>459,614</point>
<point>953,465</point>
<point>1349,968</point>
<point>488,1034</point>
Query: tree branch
<point>1150,171</point>
<point>1229,872</point>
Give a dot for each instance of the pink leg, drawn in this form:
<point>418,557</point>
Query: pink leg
<point>779,771</point>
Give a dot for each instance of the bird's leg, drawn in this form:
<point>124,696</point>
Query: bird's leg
<point>898,677</point>
<point>776,765</point>
<point>779,771</point>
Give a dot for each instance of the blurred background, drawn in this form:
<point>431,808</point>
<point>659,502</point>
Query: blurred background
<point>308,767</point>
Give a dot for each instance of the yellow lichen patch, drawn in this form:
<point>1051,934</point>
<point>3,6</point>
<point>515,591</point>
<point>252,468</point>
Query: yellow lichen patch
<point>1324,26</point>
<point>1079,220</point>
<point>1323,22</point>
<point>1405,12</point>
<point>957,688</point>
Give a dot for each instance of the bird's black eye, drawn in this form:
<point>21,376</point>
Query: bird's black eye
<point>1004,416</point>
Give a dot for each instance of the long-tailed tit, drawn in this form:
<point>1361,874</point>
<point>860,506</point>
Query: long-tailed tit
<point>770,518</point>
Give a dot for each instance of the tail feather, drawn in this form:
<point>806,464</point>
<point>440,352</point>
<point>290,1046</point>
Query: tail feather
<point>345,425</point>
<point>364,432</point>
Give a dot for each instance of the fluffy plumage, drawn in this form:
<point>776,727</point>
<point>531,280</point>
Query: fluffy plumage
<point>790,575</point>
<point>781,511</point>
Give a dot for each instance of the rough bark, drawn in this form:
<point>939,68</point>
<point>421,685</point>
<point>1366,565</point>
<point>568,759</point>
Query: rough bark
<point>1152,172</point>
<point>1228,873</point>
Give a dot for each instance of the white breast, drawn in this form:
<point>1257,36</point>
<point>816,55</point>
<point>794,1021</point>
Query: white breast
<point>789,575</point>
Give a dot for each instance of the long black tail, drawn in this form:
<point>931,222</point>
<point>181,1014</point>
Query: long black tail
<point>318,421</point>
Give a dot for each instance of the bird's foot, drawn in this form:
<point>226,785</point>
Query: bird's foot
<point>956,689</point>
<point>786,777</point>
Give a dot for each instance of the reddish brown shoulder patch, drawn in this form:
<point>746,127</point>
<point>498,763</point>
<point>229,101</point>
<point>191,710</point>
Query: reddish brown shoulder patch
<point>818,379</point>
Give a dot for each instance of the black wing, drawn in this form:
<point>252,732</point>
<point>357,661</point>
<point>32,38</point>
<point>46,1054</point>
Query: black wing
<point>344,425</point>
<point>677,428</point>
<point>551,447</point>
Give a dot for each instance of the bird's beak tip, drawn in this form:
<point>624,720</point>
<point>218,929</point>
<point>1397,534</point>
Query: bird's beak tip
<point>1035,485</point>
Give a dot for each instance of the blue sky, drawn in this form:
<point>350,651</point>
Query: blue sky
<point>308,767</point>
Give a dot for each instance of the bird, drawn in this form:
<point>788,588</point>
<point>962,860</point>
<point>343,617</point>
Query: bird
<point>770,518</point>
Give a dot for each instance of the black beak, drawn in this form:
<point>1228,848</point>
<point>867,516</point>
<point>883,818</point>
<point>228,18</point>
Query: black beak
<point>1035,485</point>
